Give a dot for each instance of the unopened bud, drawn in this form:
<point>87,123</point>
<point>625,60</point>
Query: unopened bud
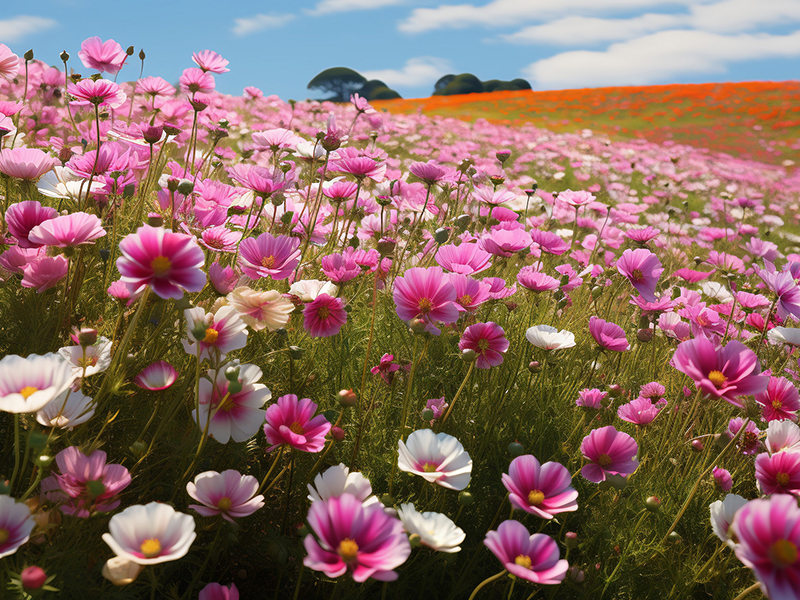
<point>28,55</point>
<point>32,578</point>
<point>87,337</point>
<point>64,56</point>
<point>130,50</point>
<point>596,291</point>
<point>644,335</point>
<point>515,448</point>
<point>465,498</point>
<point>185,187</point>
<point>347,398</point>
<point>154,219</point>
<point>337,433</point>
<point>468,355</point>
<point>142,55</point>
<point>571,540</point>
<point>697,445</point>
<point>121,571</point>
<point>534,366</point>
<point>576,574</point>
<point>295,352</point>
<point>386,246</point>
<point>652,503</point>
<point>441,235</point>
<point>417,325</point>
<point>387,500</point>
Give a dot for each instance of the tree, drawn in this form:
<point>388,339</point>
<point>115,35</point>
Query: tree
<point>466,83</point>
<point>522,84</point>
<point>375,89</point>
<point>340,82</point>
<point>443,82</point>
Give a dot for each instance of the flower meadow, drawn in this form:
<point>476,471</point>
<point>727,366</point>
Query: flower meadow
<point>255,348</point>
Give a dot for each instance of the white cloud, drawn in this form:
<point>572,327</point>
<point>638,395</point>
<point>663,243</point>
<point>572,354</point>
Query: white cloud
<point>585,31</point>
<point>333,6</point>
<point>417,72</point>
<point>247,25</point>
<point>658,58</point>
<point>511,12</point>
<point>14,29</point>
<point>743,15</point>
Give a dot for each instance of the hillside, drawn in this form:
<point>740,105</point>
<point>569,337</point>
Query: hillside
<point>758,120</point>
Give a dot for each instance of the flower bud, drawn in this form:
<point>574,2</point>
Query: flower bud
<point>155,219</point>
<point>64,56</point>
<point>296,352</point>
<point>515,448</point>
<point>33,578</point>
<point>337,433</point>
<point>465,498</point>
<point>697,445</point>
<point>142,55</point>
<point>576,574</point>
<point>615,390</point>
<point>185,187</point>
<point>441,235</point>
<point>644,335</point>
<point>674,537</point>
<point>571,540</point>
<point>468,355</point>
<point>723,479</point>
<point>120,571</point>
<point>347,398</point>
<point>87,337</point>
<point>596,292</point>
<point>427,414</point>
<point>502,155</point>
<point>417,325</point>
<point>234,387</point>
<point>138,448</point>
<point>652,503</point>
<point>386,246</point>
<point>534,366</point>
<point>28,55</point>
<point>387,500</point>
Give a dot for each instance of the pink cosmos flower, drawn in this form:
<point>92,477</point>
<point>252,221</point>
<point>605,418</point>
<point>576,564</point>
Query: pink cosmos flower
<point>220,239</point>
<point>208,60</point>
<point>609,336</point>
<point>9,63</point>
<point>222,332</point>
<point>44,272</point>
<point>784,286</point>
<point>437,406</point>
<point>217,591</point>
<point>642,268</point>
<point>591,398</point>
<point>340,268</point>
<point>576,199</point>
<point>779,401</point>
<point>748,441</point>
<point>324,316</point>
<point>536,281</point>
<point>22,217</point>
<point>232,408</point>
<point>87,483</point>
<point>470,293</point>
<point>498,289</point>
<point>156,376</point>
<point>534,557</point>
<point>543,490</point>
<point>640,411</point>
<point>768,536</point>
<point>101,92</point>
<point>782,435</point>
<point>106,57</point>
<point>643,235</point>
<point>150,534</point>
<point>436,457</point>
<point>290,421</point>
<point>359,167</point>
<point>724,372</point>
<point>229,494</point>
<point>488,341</point>
<point>722,479</point>
<point>68,230</point>
<point>194,80</point>
<point>351,536</point>
<point>506,241</point>
<point>155,86</point>
<point>16,524</point>
<point>223,278</point>
<point>778,473</point>
<point>426,294</point>
<point>609,452</point>
<point>264,182</point>
<point>429,172</point>
<point>269,256</point>
<point>466,258</point>
<point>549,242</point>
<point>25,163</point>
<point>386,368</point>
<point>167,262</point>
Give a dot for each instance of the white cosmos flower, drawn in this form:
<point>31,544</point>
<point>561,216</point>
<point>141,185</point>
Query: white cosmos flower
<point>550,338</point>
<point>782,435</point>
<point>722,513</point>
<point>436,457</point>
<point>784,335</point>
<point>435,530</point>
<point>28,384</point>
<point>61,182</point>
<point>338,480</point>
<point>716,291</point>
<point>308,289</point>
<point>149,534</point>
<point>68,410</point>
<point>96,358</point>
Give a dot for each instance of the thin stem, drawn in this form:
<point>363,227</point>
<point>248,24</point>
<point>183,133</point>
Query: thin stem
<point>746,591</point>
<point>486,582</point>
<point>458,392</point>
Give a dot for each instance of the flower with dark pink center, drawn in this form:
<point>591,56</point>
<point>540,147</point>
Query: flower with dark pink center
<point>292,422</point>
<point>488,341</point>
<point>608,452</point>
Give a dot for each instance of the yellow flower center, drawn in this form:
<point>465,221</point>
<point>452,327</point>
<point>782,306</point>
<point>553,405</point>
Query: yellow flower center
<point>211,336</point>
<point>150,548</point>
<point>268,262</point>
<point>89,361</point>
<point>535,497</point>
<point>348,550</point>
<point>483,345</point>
<point>224,503</point>
<point>637,276</point>
<point>226,404</point>
<point>429,467</point>
<point>783,553</point>
<point>777,403</point>
<point>27,391</point>
<point>296,428</point>
<point>425,305</point>
<point>465,300</point>
<point>523,560</point>
<point>717,378</point>
<point>604,460</point>
<point>4,535</point>
<point>160,265</point>
<point>782,479</point>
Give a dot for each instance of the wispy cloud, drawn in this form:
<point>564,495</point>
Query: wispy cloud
<point>658,58</point>
<point>587,31</point>
<point>15,29</point>
<point>417,72</point>
<point>249,25</point>
<point>333,6</point>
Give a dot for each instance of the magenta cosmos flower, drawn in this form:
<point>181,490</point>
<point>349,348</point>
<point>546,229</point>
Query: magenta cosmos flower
<point>16,524</point>
<point>543,490</point>
<point>642,268</point>
<point>465,259</point>
<point>24,216</point>
<point>269,256</point>
<point>532,557</point>
<point>780,400</point>
<point>778,473</point>
<point>9,63</point>
<point>157,376</point>
<point>194,80</point>
<point>88,483</point>
<point>768,535</point>
<point>149,534</point>
<point>106,57</point>
<point>609,452</point>
<point>229,494</point>
<point>488,341</point>
<point>351,536</point>
<point>43,272</point>
<point>784,286</point>
<point>609,336</point>
<point>208,60</point>
<point>25,163</point>
<point>724,372</point>
<point>536,281</point>
<point>167,262</point>
<point>68,230</point>
<point>222,332</point>
<point>426,294</point>
<point>290,421</point>
<point>101,92</point>
<point>324,316</point>
<point>429,172</point>
<point>640,411</point>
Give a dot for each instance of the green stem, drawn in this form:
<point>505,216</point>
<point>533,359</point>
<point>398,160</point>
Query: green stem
<point>458,392</point>
<point>486,582</point>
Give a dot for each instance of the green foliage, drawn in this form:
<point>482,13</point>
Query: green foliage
<point>339,82</point>
<point>467,83</point>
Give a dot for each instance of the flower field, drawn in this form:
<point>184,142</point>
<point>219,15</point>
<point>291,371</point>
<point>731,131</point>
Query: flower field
<point>253,348</point>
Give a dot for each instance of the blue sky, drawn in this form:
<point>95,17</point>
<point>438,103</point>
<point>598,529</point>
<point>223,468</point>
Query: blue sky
<point>279,45</point>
